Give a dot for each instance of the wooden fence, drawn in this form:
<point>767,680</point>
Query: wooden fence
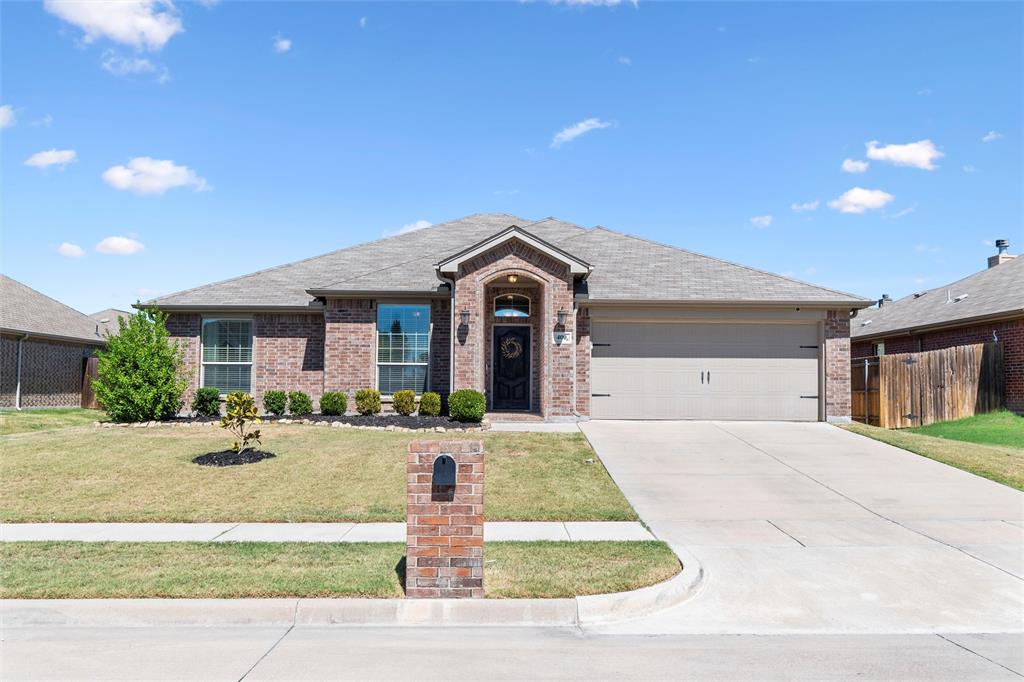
<point>89,373</point>
<point>915,389</point>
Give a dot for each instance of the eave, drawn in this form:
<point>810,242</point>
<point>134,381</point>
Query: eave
<point>577,266</point>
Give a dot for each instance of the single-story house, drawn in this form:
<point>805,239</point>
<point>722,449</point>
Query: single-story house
<point>44,347</point>
<point>544,317</point>
<point>108,320</point>
<point>986,306</point>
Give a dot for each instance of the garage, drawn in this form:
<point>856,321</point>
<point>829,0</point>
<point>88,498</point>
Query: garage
<point>727,369</point>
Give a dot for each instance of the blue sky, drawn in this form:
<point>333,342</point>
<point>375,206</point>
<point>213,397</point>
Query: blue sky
<point>211,140</point>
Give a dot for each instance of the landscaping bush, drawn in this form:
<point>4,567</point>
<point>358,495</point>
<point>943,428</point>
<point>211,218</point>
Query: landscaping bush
<point>141,374</point>
<point>275,402</point>
<point>299,403</point>
<point>404,402</point>
<point>430,405</point>
<point>333,403</point>
<point>240,416</point>
<point>206,402</point>
<point>367,401</point>
<point>467,405</point>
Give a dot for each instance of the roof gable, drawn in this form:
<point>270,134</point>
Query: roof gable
<point>577,266</point>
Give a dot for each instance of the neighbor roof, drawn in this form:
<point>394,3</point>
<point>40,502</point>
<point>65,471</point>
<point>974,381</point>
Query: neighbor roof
<point>24,310</point>
<point>625,268</point>
<point>110,315</point>
<point>995,292</point>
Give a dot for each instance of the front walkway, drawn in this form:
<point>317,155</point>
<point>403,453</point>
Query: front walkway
<point>494,531</point>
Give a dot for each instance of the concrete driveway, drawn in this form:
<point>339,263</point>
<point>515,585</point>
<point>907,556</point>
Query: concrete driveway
<point>806,528</point>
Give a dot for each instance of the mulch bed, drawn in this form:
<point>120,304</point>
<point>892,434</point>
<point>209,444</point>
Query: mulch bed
<point>228,458</point>
<point>410,422</point>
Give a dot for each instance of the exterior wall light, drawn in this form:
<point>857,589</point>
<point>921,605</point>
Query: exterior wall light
<point>562,314</point>
<point>464,316</point>
<point>512,279</point>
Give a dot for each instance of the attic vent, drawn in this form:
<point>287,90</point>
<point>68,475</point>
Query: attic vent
<point>865,323</point>
<point>960,298</point>
<point>920,294</point>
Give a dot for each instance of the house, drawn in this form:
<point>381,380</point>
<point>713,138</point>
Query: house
<point>544,317</point>
<point>44,346</point>
<point>986,306</point>
<point>107,320</point>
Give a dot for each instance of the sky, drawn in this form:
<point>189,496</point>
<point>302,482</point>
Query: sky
<point>148,147</point>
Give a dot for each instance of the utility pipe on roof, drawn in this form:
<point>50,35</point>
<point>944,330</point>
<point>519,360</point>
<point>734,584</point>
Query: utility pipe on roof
<point>17,384</point>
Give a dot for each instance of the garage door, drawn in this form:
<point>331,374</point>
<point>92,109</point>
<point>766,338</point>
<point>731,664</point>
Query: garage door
<point>662,370</point>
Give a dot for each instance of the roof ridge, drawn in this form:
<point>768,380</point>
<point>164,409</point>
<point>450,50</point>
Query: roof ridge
<point>36,291</point>
<point>729,262</point>
<point>977,273</point>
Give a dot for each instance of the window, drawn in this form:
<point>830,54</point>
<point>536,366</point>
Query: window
<point>878,348</point>
<point>403,347</point>
<point>227,355</point>
<point>512,305</point>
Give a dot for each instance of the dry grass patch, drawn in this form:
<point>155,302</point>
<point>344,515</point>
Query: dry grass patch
<point>13,421</point>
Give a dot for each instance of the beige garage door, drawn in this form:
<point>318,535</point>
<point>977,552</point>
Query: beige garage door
<point>660,370</point>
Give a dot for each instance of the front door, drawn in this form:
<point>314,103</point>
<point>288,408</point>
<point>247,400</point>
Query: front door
<point>511,368</point>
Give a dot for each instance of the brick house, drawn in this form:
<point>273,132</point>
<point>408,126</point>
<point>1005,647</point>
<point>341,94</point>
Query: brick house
<point>544,317</point>
<point>44,346</point>
<point>986,306</point>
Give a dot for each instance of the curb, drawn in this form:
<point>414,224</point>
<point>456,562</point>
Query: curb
<point>286,612</point>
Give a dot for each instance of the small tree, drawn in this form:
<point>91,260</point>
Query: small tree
<point>241,416</point>
<point>141,374</point>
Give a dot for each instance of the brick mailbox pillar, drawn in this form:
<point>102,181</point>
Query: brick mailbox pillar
<point>445,519</point>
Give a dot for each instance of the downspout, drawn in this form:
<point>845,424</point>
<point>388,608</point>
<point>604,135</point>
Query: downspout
<point>451,330</point>
<point>17,385</point>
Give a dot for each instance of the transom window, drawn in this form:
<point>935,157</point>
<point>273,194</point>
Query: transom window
<point>227,355</point>
<point>511,305</point>
<point>403,347</point>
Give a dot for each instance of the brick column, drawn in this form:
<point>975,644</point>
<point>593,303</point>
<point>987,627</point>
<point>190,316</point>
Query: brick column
<point>838,403</point>
<point>445,529</point>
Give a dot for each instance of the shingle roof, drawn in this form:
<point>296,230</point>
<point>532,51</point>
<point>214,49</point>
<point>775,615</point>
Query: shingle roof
<point>991,292</point>
<point>110,315</point>
<point>24,310</point>
<point>625,268</point>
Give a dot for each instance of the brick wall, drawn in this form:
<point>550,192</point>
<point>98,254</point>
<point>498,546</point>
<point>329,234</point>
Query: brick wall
<point>350,345</point>
<point>536,349</point>
<point>837,366</point>
<point>444,531</point>
<point>583,352</point>
<point>440,345</point>
<point>51,372</point>
<point>288,354</point>
<point>184,329</point>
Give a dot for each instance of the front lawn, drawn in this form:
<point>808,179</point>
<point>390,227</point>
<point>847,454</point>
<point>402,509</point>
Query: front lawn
<point>994,428</point>
<point>999,463</point>
<point>319,474</point>
<point>81,570</point>
<point>13,421</point>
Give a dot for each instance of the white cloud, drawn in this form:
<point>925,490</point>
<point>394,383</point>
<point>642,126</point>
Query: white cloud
<point>811,270</point>
<point>410,227</point>
<point>124,66</point>
<point>363,21</point>
<point>44,122</point>
<point>924,92</point>
<point>858,200</point>
<point>992,136</point>
<point>987,242</point>
<point>69,250</point>
<point>753,60</point>
<point>626,61</point>
<point>904,212</point>
<point>52,157</point>
<point>854,166</point>
<point>505,192</point>
<point>925,248</point>
<point>7,117</point>
<point>569,134</point>
<point>592,3</point>
<point>970,169</point>
<point>120,246</point>
<point>144,175</point>
<point>282,45</point>
<point>761,220</point>
<point>919,154</point>
<point>143,24</point>
<point>806,206</point>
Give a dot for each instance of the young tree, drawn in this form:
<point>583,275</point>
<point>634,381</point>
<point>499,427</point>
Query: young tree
<point>241,415</point>
<point>141,374</point>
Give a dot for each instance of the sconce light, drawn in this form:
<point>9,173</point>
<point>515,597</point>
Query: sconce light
<point>512,279</point>
<point>464,317</point>
<point>561,316</point>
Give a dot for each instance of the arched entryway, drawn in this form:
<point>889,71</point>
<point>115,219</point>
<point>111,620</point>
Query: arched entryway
<point>513,367</point>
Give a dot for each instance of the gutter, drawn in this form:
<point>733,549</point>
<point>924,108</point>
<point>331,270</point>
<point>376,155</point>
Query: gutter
<point>938,326</point>
<point>855,304</point>
<point>451,329</point>
<point>54,337</point>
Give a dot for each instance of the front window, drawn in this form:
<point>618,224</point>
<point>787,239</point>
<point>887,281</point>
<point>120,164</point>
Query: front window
<point>512,305</point>
<point>403,347</point>
<point>227,355</point>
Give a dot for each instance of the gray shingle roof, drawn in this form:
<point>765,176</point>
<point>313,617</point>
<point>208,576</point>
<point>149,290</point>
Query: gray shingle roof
<point>995,291</point>
<point>625,268</point>
<point>24,310</point>
<point>110,315</point>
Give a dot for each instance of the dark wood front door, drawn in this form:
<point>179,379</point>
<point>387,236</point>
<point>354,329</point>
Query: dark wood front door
<point>511,366</point>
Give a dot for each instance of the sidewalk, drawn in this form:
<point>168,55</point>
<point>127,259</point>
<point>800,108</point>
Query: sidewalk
<point>500,531</point>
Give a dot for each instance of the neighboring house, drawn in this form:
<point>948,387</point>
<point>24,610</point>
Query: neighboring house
<point>543,317</point>
<point>44,346</point>
<point>107,320</point>
<point>987,306</point>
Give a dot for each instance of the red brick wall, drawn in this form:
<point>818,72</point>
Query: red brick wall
<point>837,366</point>
<point>440,345</point>
<point>288,354</point>
<point>51,372</point>
<point>350,345</point>
<point>184,329</point>
<point>583,350</point>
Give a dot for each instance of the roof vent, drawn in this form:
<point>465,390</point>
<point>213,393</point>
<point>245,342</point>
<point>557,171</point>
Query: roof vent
<point>1002,245</point>
<point>960,298</point>
<point>885,299</point>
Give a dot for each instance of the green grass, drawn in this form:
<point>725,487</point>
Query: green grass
<point>999,463</point>
<point>319,474</point>
<point>13,421</point>
<point>995,428</point>
<point>80,570</point>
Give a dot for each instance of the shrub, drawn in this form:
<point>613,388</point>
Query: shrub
<point>333,403</point>
<point>367,401</point>
<point>275,402</point>
<point>239,418</point>
<point>299,403</point>
<point>404,402</point>
<point>430,404</point>
<point>141,374</point>
<point>467,405</point>
<point>206,402</point>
